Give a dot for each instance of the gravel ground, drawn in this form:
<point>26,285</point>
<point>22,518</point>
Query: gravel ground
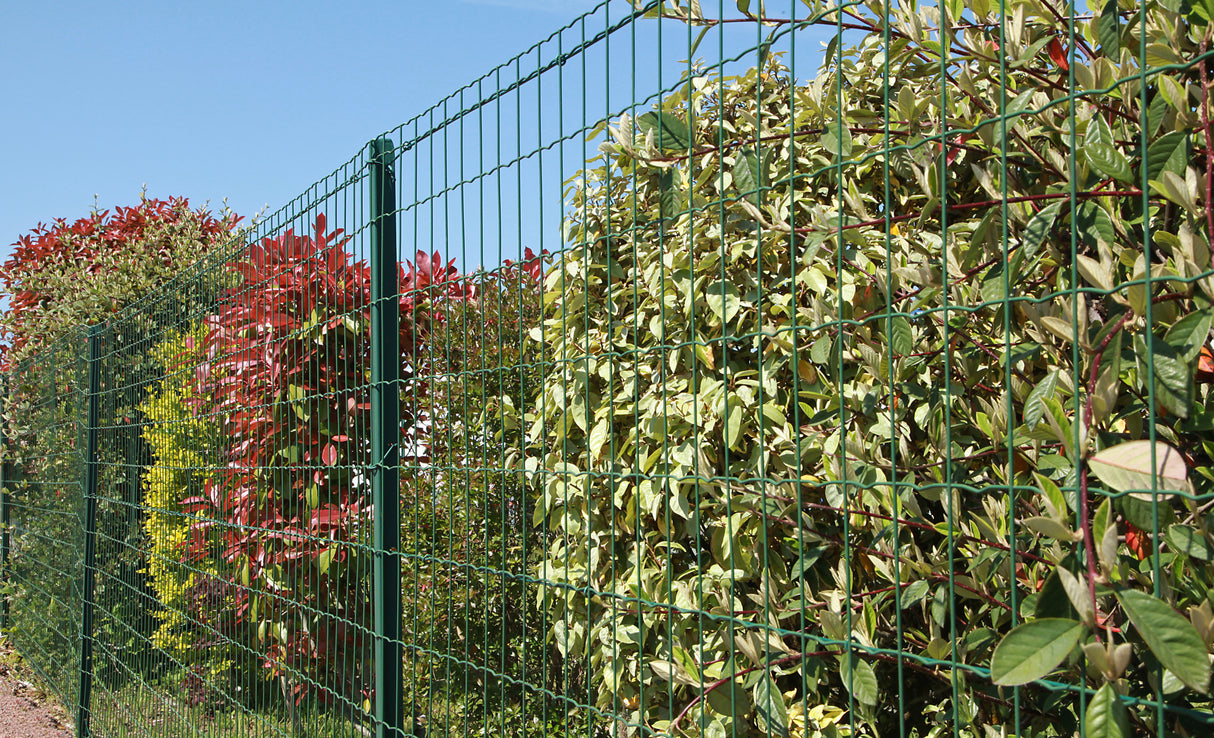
<point>26,711</point>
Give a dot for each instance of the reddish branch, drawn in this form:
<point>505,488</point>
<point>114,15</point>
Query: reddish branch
<point>1088,546</point>
<point>980,204</point>
<point>1065,21</point>
<point>674,726</point>
<point>1088,416</point>
<point>912,524</point>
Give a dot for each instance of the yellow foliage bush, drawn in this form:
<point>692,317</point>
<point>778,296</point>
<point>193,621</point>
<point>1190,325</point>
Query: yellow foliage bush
<point>183,445</point>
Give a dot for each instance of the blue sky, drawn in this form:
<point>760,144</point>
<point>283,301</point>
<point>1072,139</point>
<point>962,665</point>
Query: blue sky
<point>248,101</point>
<point>252,102</point>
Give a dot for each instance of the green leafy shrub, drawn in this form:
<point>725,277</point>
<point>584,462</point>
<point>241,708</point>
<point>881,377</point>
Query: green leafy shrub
<point>59,279</point>
<point>464,525</point>
<point>835,382</point>
<point>42,574</point>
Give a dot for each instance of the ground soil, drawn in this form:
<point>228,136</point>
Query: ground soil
<point>26,709</point>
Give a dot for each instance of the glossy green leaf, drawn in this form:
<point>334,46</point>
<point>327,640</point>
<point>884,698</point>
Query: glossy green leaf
<point>901,336</point>
<point>325,559</point>
<point>750,175</point>
<point>1049,528</point>
<point>1189,334</point>
<point>1173,378</point>
<point>1022,101</point>
<point>723,300</point>
<point>673,672</point>
<point>994,284</point>
<point>733,425</point>
<point>699,38</point>
<point>1061,502</point>
<point>914,593</point>
<point>1127,466</point>
<point>1168,153</point>
<point>1108,30</point>
<point>1098,132</point>
<point>1033,649</point>
<point>1034,404</point>
<point>1156,109</point>
<point>907,102</point>
<point>807,560</point>
<point>1172,639</point>
<point>671,199</point>
<point>1077,592</point>
<point>1106,716</point>
<point>836,138</point>
<point>1143,514</point>
<point>859,679</point>
<point>730,699</point>
<point>670,133</point>
<point>1107,160</point>
<point>823,349</point>
<point>1053,600</point>
<point>1094,272</point>
<point>1093,224</point>
<point>1038,228</point>
<point>1191,542</point>
<point>1056,416</point>
<point>770,707</point>
<point>1201,12</point>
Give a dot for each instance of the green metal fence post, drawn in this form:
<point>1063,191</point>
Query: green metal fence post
<point>385,441</point>
<point>90,529</point>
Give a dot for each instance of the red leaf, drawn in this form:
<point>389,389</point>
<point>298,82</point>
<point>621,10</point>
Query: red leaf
<point>329,454</point>
<point>1058,54</point>
<point>195,504</point>
<point>1138,541</point>
<point>1205,366</point>
<point>326,517</point>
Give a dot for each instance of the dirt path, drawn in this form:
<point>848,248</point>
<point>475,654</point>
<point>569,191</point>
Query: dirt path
<point>25,710</point>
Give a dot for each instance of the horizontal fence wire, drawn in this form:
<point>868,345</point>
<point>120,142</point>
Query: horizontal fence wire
<point>777,368</point>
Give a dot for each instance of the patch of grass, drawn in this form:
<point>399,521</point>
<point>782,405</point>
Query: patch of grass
<point>146,709</point>
<point>143,709</point>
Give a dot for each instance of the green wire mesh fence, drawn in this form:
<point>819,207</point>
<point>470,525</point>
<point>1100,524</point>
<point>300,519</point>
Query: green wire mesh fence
<point>787,368</point>
<point>43,510</point>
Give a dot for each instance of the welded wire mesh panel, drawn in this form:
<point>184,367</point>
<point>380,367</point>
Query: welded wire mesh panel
<point>235,516</point>
<point>144,629</point>
<point>863,394</point>
<point>45,554</point>
<point>707,370</point>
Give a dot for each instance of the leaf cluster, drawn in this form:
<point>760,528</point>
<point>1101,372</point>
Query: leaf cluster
<point>466,532</point>
<point>63,276</point>
<point>835,367</point>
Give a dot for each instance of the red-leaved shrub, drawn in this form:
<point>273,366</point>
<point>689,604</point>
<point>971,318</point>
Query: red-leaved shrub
<point>287,509</point>
<point>65,275</point>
